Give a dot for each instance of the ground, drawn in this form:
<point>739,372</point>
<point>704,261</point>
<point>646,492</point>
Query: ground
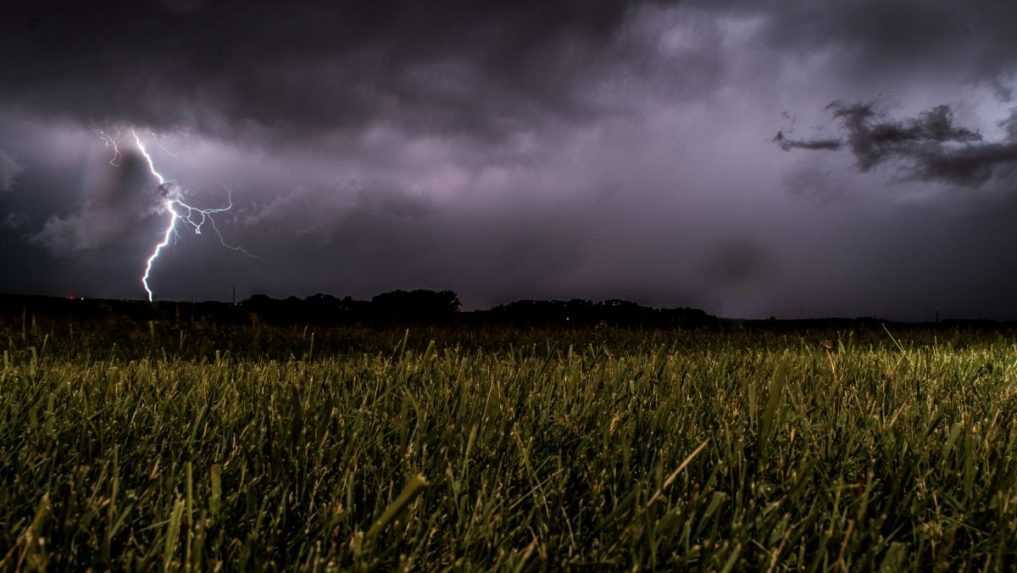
<point>185,445</point>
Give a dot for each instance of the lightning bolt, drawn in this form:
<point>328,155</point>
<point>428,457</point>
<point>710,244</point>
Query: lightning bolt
<point>110,142</point>
<point>179,211</point>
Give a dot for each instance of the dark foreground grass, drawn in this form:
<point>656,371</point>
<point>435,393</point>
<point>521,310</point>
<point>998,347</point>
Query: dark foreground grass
<point>504,450</point>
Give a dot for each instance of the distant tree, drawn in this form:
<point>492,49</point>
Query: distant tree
<point>532,311</point>
<point>257,301</point>
<point>322,299</point>
<point>415,305</point>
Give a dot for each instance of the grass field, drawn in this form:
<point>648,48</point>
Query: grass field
<point>197,447</point>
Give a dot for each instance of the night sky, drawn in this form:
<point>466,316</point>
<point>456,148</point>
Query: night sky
<point>795,158</point>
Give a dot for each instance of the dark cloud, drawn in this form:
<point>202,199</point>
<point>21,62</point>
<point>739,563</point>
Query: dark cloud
<point>930,147</point>
<point>787,143</point>
<point>230,68</point>
<point>519,150</point>
<point>891,42</point>
<point>874,139</point>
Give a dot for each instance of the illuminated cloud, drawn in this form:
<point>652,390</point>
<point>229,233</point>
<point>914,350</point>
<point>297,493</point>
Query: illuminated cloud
<point>523,150</point>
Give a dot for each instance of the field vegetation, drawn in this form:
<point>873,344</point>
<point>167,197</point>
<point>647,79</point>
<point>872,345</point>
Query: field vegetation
<point>192,446</point>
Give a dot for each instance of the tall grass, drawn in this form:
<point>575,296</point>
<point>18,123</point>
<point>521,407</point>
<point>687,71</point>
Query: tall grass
<point>505,450</point>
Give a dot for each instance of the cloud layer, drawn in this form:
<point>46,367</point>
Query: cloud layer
<point>521,150</point>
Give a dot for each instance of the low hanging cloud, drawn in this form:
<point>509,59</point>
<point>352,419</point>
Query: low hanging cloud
<point>930,147</point>
<point>317,66</point>
<point>787,144</point>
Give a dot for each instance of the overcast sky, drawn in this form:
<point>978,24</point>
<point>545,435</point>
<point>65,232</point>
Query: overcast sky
<point>792,158</point>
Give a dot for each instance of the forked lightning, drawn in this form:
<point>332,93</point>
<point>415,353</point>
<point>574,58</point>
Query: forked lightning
<point>179,210</point>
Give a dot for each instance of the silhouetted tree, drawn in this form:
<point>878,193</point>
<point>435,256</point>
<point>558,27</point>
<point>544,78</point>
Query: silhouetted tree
<point>416,305</point>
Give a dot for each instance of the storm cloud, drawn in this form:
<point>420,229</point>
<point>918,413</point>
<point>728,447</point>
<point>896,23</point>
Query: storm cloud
<point>787,144</point>
<point>930,147</point>
<point>247,68</point>
<point>520,150</point>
